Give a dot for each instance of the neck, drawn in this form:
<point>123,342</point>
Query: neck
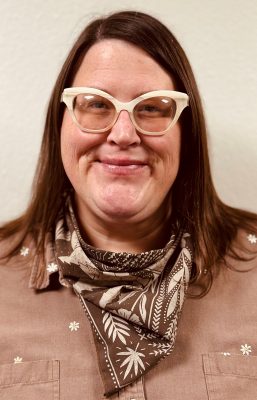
<point>131,237</point>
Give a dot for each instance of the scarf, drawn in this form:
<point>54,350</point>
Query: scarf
<point>133,301</point>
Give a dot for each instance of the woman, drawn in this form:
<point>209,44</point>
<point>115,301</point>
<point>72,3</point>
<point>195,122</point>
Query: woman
<point>123,215</point>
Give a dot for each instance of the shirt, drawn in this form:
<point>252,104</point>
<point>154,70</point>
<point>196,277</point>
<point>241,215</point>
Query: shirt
<point>47,348</point>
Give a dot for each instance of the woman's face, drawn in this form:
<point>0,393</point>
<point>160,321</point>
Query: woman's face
<point>121,174</point>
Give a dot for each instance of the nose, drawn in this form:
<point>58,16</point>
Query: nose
<point>123,132</point>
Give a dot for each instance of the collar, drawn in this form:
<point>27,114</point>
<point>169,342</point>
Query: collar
<point>43,266</point>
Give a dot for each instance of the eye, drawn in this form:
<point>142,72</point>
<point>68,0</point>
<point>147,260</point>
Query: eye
<point>156,107</point>
<point>91,103</point>
<point>148,108</point>
<point>97,104</point>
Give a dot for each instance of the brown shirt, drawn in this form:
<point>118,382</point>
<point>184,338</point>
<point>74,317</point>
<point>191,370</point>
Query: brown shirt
<point>47,349</point>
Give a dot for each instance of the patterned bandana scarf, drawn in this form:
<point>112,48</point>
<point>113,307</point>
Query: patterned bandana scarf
<point>133,301</point>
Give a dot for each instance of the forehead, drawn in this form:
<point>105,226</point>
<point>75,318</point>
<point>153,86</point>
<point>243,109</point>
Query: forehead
<point>122,69</point>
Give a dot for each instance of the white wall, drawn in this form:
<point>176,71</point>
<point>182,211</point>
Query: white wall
<point>219,37</point>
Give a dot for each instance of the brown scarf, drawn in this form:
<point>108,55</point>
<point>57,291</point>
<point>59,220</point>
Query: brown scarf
<point>133,301</point>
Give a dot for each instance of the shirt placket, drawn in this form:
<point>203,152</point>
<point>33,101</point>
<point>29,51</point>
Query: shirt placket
<point>134,391</point>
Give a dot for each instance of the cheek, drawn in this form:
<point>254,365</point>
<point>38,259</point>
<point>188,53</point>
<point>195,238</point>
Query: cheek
<point>166,150</point>
<point>68,147</point>
<point>74,142</point>
<point>169,158</point>
<point>171,147</point>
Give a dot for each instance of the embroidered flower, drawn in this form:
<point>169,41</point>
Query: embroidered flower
<point>246,350</point>
<point>74,326</point>
<point>24,251</point>
<point>52,267</point>
<point>252,238</point>
<point>17,360</point>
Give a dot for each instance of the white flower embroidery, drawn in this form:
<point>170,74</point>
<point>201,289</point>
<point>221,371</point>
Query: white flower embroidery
<point>74,326</point>
<point>252,238</point>
<point>24,251</point>
<point>133,359</point>
<point>17,360</point>
<point>246,350</point>
<point>52,267</point>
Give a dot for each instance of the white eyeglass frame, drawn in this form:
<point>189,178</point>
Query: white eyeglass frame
<point>181,99</point>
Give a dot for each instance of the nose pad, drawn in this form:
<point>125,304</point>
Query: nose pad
<point>123,131</point>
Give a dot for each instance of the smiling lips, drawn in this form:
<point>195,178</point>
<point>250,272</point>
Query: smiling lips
<point>121,166</point>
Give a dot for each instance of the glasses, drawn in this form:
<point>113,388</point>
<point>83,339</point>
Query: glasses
<point>152,113</point>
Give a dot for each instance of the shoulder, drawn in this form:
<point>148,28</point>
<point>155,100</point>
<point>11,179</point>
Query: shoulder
<point>244,247</point>
<point>27,260</point>
<point>16,250</point>
<point>238,269</point>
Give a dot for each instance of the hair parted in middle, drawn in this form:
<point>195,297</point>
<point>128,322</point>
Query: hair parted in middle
<point>195,204</point>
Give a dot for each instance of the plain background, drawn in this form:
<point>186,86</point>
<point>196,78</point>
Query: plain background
<point>219,38</point>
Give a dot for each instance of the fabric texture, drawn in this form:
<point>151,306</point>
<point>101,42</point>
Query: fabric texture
<point>127,298</point>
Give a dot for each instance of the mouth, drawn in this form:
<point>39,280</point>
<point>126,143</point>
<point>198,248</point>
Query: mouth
<point>121,166</point>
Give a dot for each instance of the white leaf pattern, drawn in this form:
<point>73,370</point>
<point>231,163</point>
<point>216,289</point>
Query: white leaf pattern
<point>142,307</point>
<point>133,359</point>
<point>126,297</point>
<point>171,332</point>
<point>181,296</point>
<point>109,296</point>
<point>128,315</point>
<point>172,304</point>
<point>186,256</point>
<point>115,326</point>
<point>158,307</point>
<point>154,285</point>
<point>175,280</point>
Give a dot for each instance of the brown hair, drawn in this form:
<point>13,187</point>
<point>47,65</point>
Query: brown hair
<point>195,203</point>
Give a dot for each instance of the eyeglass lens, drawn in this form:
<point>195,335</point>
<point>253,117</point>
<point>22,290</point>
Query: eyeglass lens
<point>96,112</point>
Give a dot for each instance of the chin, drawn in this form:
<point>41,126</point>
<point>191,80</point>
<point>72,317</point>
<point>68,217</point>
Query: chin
<point>120,201</point>
<point>119,211</point>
